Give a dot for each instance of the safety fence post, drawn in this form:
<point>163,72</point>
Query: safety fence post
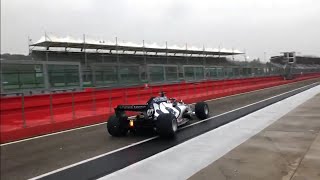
<point>252,84</point>
<point>110,101</point>
<point>126,95</point>
<point>187,88</point>
<point>51,108</point>
<point>139,98</point>
<point>206,86</point>
<point>179,88</point>
<point>227,84</point>
<point>233,87</point>
<point>73,106</point>
<point>195,91</point>
<point>213,90</point>
<point>94,104</point>
<point>23,111</point>
<point>223,87</point>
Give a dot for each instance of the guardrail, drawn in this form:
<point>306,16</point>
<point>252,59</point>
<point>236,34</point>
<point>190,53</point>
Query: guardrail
<point>27,116</point>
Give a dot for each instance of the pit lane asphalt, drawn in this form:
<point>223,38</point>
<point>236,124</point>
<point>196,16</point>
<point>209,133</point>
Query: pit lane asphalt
<point>32,158</point>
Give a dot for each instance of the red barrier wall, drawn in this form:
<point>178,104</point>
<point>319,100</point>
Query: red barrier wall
<point>23,117</point>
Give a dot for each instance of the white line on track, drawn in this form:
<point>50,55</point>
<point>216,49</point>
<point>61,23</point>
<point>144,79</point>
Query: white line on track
<point>65,131</point>
<point>93,158</point>
<point>46,135</point>
<point>149,139</point>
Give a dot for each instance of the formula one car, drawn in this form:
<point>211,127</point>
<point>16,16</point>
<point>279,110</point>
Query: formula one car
<point>159,113</point>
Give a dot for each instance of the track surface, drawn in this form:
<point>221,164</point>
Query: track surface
<point>31,158</point>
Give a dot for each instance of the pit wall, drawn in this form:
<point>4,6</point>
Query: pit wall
<point>28,116</point>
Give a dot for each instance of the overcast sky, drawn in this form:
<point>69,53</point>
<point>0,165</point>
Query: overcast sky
<point>258,26</point>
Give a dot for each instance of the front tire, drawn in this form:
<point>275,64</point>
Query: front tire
<point>117,127</point>
<point>166,125</point>
<point>202,110</point>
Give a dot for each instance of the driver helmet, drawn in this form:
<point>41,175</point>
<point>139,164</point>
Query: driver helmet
<point>162,94</point>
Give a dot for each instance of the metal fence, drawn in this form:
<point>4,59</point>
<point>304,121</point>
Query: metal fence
<point>48,75</point>
<point>17,76</point>
<point>39,75</point>
<point>119,75</point>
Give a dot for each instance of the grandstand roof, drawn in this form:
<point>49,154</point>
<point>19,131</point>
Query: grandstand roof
<point>111,47</point>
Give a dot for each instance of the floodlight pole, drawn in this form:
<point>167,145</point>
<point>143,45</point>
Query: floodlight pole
<point>204,58</point>
<point>47,56</point>
<point>145,61</point>
<point>118,60</point>
<point>167,52</point>
<point>187,57</point>
<point>84,50</point>
<point>144,53</point>
<point>47,48</point>
<point>246,58</point>
<point>45,73</point>
<point>29,43</point>
<point>245,55</point>
<point>232,54</point>
<point>219,51</point>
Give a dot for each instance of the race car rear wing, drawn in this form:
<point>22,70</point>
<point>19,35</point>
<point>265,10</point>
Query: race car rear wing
<point>137,108</point>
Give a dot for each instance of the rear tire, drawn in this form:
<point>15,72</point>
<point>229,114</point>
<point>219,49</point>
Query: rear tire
<point>166,125</point>
<point>202,110</point>
<point>118,126</point>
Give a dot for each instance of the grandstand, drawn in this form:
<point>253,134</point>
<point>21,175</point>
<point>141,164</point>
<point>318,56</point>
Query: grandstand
<point>90,53</point>
<point>145,63</point>
<point>100,64</point>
